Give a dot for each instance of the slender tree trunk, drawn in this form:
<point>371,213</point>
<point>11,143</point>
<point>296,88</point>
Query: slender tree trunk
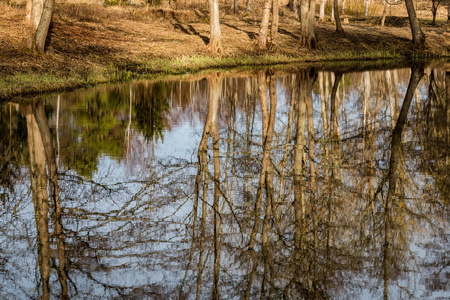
<point>383,17</point>
<point>248,6</point>
<point>418,37</point>
<point>215,41</point>
<point>433,13</point>
<point>28,10</point>
<point>293,4</point>
<point>339,28</point>
<point>448,14</point>
<point>308,35</point>
<point>322,10</point>
<point>264,27</point>
<point>274,26</point>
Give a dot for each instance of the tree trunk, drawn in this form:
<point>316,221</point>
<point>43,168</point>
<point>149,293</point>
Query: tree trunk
<point>28,10</point>
<point>215,42</point>
<point>448,14</point>
<point>235,6</point>
<point>264,27</point>
<point>433,13</point>
<point>274,26</point>
<point>248,6</point>
<point>322,10</point>
<point>418,37</point>
<point>332,12</point>
<point>293,5</point>
<point>383,17</point>
<point>339,28</point>
<point>308,36</point>
<point>41,17</point>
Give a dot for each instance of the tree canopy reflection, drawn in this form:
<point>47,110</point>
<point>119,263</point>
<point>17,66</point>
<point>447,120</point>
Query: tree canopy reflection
<point>301,185</point>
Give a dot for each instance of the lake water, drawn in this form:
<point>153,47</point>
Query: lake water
<point>301,184</point>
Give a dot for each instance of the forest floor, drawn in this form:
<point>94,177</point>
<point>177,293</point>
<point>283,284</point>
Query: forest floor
<point>91,44</point>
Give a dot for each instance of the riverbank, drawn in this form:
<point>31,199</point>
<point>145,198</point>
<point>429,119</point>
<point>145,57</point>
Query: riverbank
<point>91,44</point>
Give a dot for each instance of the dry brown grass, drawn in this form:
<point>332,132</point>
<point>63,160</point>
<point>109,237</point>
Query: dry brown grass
<point>90,42</point>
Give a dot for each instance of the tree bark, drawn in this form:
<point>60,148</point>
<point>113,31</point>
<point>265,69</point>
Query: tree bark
<point>322,10</point>
<point>383,17</point>
<point>448,14</point>
<point>248,6</point>
<point>418,37</point>
<point>274,26</point>
<point>308,35</point>
<point>293,4</point>
<point>41,17</point>
<point>264,27</point>
<point>215,41</point>
<point>339,28</point>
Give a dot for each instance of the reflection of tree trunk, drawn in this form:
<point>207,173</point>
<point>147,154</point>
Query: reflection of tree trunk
<point>215,89</point>
<point>38,176</point>
<point>268,137</point>
<point>268,123</point>
<point>262,87</point>
<point>293,89</point>
<point>210,128</point>
<point>47,143</point>
<point>394,165</point>
<point>334,127</point>
<point>298,181</point>
<point>307,91</point>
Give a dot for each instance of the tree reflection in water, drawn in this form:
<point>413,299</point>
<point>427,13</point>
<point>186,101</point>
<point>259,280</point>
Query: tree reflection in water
<point>314,185</point>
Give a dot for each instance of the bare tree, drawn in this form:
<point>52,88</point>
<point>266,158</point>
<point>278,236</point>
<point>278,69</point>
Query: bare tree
<point>434,9</point>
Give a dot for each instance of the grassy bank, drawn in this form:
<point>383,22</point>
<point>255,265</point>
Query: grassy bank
<point>92,44</point>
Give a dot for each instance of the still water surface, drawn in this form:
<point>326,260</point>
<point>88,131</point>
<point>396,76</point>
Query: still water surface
<point>307,184</point>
